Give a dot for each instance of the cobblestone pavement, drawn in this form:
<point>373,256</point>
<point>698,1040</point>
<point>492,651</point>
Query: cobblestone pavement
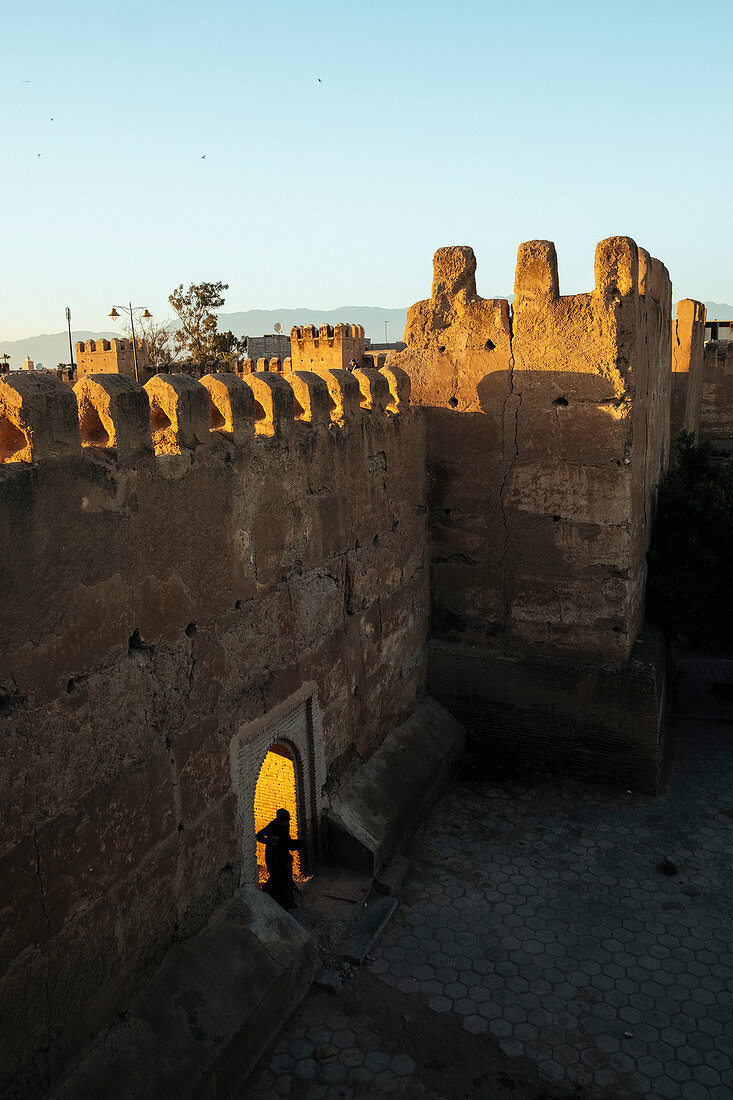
<point>536,919</point>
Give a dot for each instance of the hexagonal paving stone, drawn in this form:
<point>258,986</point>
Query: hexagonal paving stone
<point>305,1069</point>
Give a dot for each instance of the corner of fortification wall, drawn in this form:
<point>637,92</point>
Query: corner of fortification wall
<point>560,406</point>
<point>547,429</point>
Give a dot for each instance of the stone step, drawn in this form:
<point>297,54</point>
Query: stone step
<point>215,1004</point>
<point>369,924</point>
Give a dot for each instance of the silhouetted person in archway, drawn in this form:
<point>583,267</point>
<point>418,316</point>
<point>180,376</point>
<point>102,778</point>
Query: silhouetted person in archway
<point>278,860</point>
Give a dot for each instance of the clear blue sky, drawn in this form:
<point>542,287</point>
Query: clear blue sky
<point>462,122</point>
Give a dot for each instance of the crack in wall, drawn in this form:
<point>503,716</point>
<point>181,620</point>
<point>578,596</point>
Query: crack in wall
<point>509,467</point>
<point>42,888</point>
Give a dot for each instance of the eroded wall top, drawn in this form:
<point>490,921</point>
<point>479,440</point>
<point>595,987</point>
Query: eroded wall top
<point>547,428</point>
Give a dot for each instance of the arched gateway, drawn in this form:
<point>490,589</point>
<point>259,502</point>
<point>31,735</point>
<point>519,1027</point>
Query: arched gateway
<point>278,761</point>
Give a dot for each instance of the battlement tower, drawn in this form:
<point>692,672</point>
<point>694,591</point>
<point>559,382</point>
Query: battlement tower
<point>110,357</point>
<point>327,348</point>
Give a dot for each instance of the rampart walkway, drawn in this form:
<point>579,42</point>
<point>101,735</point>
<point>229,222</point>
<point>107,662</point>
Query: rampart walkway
<point>539,949</point>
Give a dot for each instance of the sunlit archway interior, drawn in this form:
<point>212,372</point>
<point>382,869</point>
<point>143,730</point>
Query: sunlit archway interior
<point>277,788</point>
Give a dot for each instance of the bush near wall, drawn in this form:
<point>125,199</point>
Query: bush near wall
<point>690,584</point>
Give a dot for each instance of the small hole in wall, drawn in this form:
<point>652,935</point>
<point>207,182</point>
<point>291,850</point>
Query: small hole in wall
<point>135,641</point>
<point>453,402</point>
<point>555,519</point>
<point>260,413</point>
<point>238,605</point>
<point>441,347</point>
<point>489,345</point>
<point>561,402</point>
<point>375,540</point>
<point>191,630</point>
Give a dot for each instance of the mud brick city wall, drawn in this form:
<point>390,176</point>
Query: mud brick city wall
<point>547,429</point>
<point>688,339</point>
<point>178,560</point>
<point>716,414</point>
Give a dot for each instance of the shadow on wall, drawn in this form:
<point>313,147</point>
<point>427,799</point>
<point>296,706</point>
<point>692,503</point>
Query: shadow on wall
<point>538,542</point>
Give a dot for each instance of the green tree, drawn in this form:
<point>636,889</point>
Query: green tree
<point>690,582</point>
<point>198,337</point>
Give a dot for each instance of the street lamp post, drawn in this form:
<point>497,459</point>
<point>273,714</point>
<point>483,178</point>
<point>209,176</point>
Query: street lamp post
<point>71,351</point>
<point>131,311</point>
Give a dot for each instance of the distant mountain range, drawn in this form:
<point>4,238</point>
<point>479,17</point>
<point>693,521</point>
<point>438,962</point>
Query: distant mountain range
<point>52,348</point>
<point>258,322</point>
<point>49,349</point>
<point>719,311</point>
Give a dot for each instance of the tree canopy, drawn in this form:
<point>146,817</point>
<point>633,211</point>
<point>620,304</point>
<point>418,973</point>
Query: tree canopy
<point>198,337</point>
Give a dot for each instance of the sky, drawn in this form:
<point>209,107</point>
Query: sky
<point>315,154</point>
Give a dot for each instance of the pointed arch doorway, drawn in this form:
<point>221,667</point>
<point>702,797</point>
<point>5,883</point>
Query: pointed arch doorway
<point>280,756</point>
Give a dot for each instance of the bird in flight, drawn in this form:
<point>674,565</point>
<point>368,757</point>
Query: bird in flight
<point>319,80</point>
<point>204,157</point>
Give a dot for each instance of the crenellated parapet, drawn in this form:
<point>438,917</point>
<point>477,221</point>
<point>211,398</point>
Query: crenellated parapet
<point>561,406</point>
<point>179,560</point>
<point>172,414</point>
<point>328,347</point>
<point>547,426</point>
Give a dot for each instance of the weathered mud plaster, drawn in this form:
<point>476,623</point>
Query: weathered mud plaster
<point>688,340</point>
<point>180,560</point>
<point>547,430</point>
<point>199,1025</point>
<point>372,816</point>
<point>188,563</point>
<point>716,413</point>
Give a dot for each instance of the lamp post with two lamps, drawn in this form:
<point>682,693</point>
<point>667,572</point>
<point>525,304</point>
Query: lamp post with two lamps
<point>131,311</point>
